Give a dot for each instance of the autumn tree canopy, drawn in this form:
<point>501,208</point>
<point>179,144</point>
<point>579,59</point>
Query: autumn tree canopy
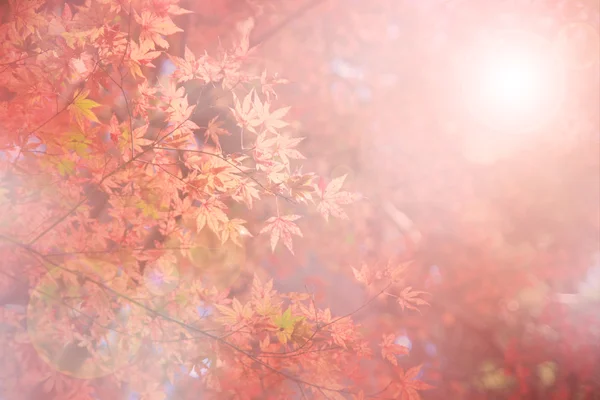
<point>299,200</point>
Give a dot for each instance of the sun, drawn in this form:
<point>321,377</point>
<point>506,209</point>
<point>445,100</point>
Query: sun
<point>514,82</point>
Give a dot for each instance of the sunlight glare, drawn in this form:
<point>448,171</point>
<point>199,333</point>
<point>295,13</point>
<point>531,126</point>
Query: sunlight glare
<point>517,83</point>
<point>512,83</point>
<point>514,86</point>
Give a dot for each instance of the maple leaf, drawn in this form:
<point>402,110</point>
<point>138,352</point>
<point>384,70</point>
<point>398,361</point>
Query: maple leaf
<point>332,198</point>
<point>234,229</point>
<point>180,112</point>
<point>212,214</point>
<point>263,151</point>
<point>260,290</point>
<point>286,324</point>
<point>282,227</point>
<point>187,67</point>
<point>244,112</point>
<point>66,167</point>
<point>285,149</point>
<point>409,299</point>
<point>148,210</point>
<point>139,139</point>
<point>234,314</point>
<point>213,131</point>
<point>246,192</point>
<point>407,387</point>
<point>276,175</point>
<point>81,108</point>
<point>139,57</point>
<point>154,27</point>
<point>271,120</point>
<point>78,143</point>
<point>364,275</point>
<point>263,297</point>
<point>389,349</point>
<point>301,187</point>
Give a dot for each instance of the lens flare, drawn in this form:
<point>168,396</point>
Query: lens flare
<point>66,329</point>
<point>220,266</point>
<point>161,277</point>
<point>517,82</point>
<point>513,85</point>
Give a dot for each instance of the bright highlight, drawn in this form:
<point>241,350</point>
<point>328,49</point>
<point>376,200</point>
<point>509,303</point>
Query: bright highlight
<point>515,82</point>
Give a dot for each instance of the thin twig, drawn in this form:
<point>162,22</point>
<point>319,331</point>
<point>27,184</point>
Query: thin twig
<point>234,166</point>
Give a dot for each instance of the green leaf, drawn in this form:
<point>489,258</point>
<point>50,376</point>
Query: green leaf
<point>286,323</point>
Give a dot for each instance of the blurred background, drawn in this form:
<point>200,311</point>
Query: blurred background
<point>473,129</point>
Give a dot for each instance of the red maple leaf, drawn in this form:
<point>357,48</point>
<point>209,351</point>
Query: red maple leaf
<point>407,387</point>
<point>213,131</point>
<point>389,349</point>
<point>409,299</point>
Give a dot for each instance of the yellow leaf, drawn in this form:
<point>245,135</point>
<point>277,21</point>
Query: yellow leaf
<point>66,167</point>
<point>286,323</point>
<point>78,143</point>
<point>81,108</point>
<point>148,210</point>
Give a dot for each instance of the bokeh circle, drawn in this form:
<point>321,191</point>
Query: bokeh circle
<point>161,277</point>
<point>82,322</point>
<point>220,266</point>
<point>521,111</point>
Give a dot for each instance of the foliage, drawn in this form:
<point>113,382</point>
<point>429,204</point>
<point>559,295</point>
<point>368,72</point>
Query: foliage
<point>118,202</point>
<point>263,199</point>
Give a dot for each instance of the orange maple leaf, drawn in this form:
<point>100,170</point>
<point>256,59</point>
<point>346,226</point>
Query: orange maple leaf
<point>389,349</point>
<point>246,192</point>
<point>407,387</point>
<point>187,67</point>
<point>409,299</point>
<point>212,214</point>
<point>301,187</point>
<point>213,131</point>
<point>234,229</point>
<point>235,314</point>
<point>154,27</point>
